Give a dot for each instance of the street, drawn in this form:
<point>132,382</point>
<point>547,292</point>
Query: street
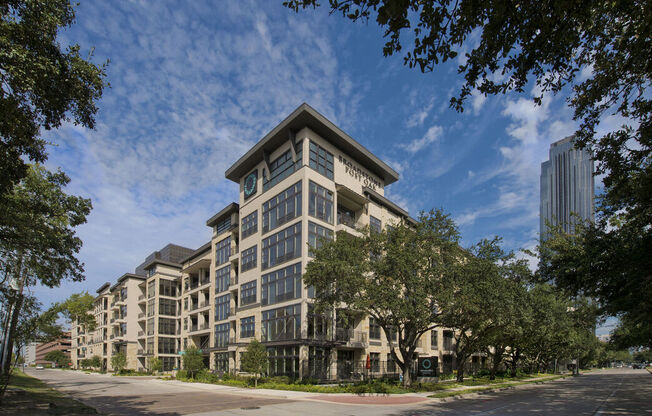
<point>606,392</point>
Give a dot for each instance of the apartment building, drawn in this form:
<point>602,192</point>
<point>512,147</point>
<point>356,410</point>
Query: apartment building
<point>132,315</point>
<point>304,181</point>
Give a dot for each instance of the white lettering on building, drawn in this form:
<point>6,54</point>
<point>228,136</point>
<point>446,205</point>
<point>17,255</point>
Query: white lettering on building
<point>359,174</point>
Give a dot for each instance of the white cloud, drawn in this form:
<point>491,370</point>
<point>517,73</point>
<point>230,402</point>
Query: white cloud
<point>419,115</point>
<point>431,136</point>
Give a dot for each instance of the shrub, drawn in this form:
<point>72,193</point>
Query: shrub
<point>255,359</point>
<point>119,362</point>
<point>155,364</point>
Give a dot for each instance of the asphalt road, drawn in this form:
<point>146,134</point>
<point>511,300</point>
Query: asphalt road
<point>608,392</point>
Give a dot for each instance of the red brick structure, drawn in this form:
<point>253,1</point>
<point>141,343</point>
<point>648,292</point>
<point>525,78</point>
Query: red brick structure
<point>62,344</point>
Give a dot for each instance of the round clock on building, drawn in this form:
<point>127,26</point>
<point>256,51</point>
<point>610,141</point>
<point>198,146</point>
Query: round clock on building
<point>250,184</point>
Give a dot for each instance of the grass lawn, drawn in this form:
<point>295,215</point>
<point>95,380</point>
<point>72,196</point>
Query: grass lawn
<point>29,396</point>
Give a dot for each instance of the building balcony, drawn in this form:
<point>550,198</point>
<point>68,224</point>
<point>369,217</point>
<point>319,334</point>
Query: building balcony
<point>199,328</point>
<point>141,316</point>
<point>351,338</point>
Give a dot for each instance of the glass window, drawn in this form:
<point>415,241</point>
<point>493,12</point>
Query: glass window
<point>222,306</point>
<point>282,208</point>
<point>167,326</point>
<point>433,340</point>
<point>222,279</point>
<point>151,289</point>
<point>281,285</point>
<point>282,167</point>
<point>317,235</point>
<point>374,358</point>
<point>222,362</point>
<point>281,247</point>
<point>248,259</point>
<point>375,224</point>
<point>321,160</point>
<point>223,225</point>
<point>320,203</point>
<point>222,251</point>
<point>374,329</point>
<point>167,288</point>
<point>283,361</point>
<point>249,224</point>
<point>247,327</point>
<point>167,345</point>
<point>150,326</point>
<point>151,304</point>
<point>248,293</point>
<point>222,335</point>
<point>391,364</point>
<point>169,363</point>
<point>150,345</point>
<point>167,307</point>
<point>281,324</point>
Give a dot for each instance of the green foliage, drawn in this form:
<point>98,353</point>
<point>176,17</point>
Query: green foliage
<point>611,265</point>
<point>76,309</point>
<point>58,357</point>
<point>193,361</point>
<point>155,364</point>
<point>255,359</point>
<point>552,44</point>
<point>43,84</point>
<point>119,362</point>
<point>95,361</point>
<point>367,272</point>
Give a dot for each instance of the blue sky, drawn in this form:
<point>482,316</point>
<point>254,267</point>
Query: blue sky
<point>193,88</point>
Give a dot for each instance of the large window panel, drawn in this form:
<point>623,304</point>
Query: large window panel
<point>320,203</point>
<point>282,324</point>
<point>222,251</point>
<point>282,167</point>
<point>281,285</point>
<point>282,208</point>
<point>321,160</point>
<point>249,224</point>
<point>222,306</point>
<point>167,307</point>
<point>281,247</point>
<point>248,293</point>
<point>222,335</point>
<point>248,259</point>
<point>317,235</point>
<point>247,327</point>
<point>222,279</point>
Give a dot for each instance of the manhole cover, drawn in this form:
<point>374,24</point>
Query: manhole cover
<point>250,408</point>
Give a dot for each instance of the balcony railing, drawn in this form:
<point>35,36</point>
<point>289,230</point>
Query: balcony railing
<point>141,334</point>
<point>346,219</point>
<point>141,297</point>
<point>141,315</point>
<point>351,337</point>
<point>203,326</point>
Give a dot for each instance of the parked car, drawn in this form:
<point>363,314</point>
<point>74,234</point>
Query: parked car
<point>39,367</point>
<point>637,366</point>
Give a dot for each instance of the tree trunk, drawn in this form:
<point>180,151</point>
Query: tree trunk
<point>496,360</point>
<point>11,330</point>
<point>460,369</point>
<point>407,373</point>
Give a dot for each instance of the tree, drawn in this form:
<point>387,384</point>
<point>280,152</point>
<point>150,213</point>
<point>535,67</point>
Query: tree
<point>76,309</point>
<point>255,360</point>
<point>611,265</point>
<point>43,85</point>
<point>482,302</point>
<point>39,245</point>
<point>554,45</point>
<point>155,364</point>
<point>119,362</point>
<point>58,357</point>
<point>396,276</point>
<point>95,361</point>
<point>193,361</point>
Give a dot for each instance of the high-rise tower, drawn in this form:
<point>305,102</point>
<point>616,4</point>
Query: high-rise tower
<point>566,186</point>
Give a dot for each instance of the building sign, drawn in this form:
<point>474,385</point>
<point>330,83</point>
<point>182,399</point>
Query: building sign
<point>427,367</point>
<point>359,174</point>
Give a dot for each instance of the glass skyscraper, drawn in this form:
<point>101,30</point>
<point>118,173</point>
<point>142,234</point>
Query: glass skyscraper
<point>566,186</point>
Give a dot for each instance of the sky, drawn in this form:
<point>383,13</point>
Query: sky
<point>194,87</point>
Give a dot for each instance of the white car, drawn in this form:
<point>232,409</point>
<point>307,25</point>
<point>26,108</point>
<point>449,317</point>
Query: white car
<point>39,367</point>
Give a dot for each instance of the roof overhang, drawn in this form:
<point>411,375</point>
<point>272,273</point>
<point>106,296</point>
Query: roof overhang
<point>200,264</point>
<point>306,116</point>
<point>154,262</point>
<point>375,196</point>
<point>228,210</point>
<point>201,250</point>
